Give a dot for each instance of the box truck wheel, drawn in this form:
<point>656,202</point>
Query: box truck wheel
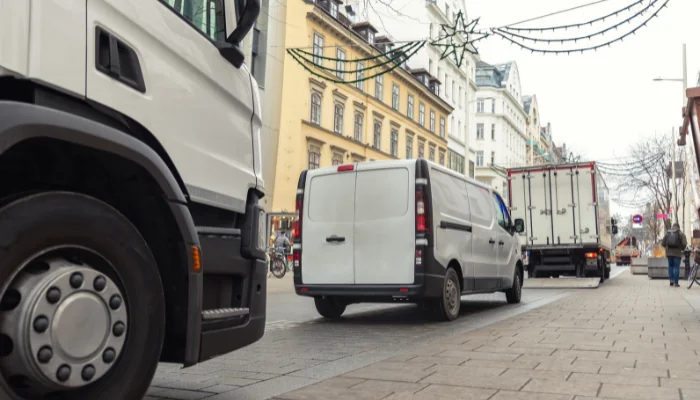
<point>451,301</point>
<point>514,294</point>
<point>75,277</point>
<point>329,307</point>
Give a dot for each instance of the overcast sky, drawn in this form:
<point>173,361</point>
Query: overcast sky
<point>600,102</point>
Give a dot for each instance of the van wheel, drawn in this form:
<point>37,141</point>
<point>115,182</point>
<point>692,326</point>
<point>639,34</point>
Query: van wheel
<point>329,307</point>
<point>514,294</point>
<point>451,297</point>
<point>75,276</point>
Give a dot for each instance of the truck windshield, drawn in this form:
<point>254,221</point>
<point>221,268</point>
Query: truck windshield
<point>207,16</point>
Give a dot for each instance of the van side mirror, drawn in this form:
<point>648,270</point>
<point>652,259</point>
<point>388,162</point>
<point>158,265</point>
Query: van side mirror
<point>519,225</point>
<point>613,221</point>
<point>247,12</point>
<point>614,230</point>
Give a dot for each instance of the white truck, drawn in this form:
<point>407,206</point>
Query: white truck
<point>131,230</point>
<point>566,209</point>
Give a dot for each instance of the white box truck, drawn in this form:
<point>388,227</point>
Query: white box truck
<point>566,209</point>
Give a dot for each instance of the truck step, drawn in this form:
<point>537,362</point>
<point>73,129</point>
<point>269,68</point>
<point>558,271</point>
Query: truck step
<point>217,231</point>
<point>224,313</point>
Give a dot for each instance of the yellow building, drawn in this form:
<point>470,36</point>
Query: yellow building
<point>392,116</point>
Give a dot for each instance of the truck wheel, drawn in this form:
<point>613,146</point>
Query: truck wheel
<point>451,301</point>
<point>329,307</point>
<point>75,276</point>
<point>514,294</point>
<point>607,272</point>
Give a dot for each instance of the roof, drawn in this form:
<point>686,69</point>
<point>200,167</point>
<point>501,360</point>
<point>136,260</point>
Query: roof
<point>493,75</point>
<point>527,101</point>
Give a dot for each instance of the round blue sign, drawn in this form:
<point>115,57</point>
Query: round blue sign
<point>637,219</point>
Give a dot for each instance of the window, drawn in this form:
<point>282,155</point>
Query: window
<point>377,136</point>
<point>501,212</point>
<point>447,86</point>
<point>318,49</point>
<point>453,126</point>
<point>337,158</point>
<point>421,114</point>
<point>447,11</point>
<point>493,132</point>
<point>493,106</point>
<point>459,128</point>
<point>409,112</point>
<point>452,94</point>
<point>461,103</point>
<point>395,97</point>
<point>479,131</point>
<point>334,9</point>
<point>472,172</point>
<point>442,157</point>
<point>493,158</point>
<point>455,161</point>
<point>360,76</point>
<point>358,127</point>
<point>479,105</point>
<point>339,65</point>
<point>432,121</point>
<point>257,63</point>
<point>430,62</point>
<point>394,148</point>
<point>431,153</point>
<point>409,147</point>
<point>210,21</point>
<point>379,87</point>
<point>338,119</point>
<point>314,157</point>
<point>442,127</point>
<point>316,108</point>
<point>479,158</point>
<point>421,149</point>
<point>370,37</point>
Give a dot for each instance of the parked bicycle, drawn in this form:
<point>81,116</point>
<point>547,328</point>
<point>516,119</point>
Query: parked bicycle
<point>277,262</point>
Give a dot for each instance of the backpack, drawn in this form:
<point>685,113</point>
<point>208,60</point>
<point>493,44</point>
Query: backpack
<point>673,240</point>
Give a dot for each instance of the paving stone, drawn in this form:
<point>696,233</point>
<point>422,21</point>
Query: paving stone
<point>444,392</point>
<point>390,386</point>
<point>655,372</point>
<point>557,386</point>
<point>508,395</point>
<point>392,372</point>
<point>482,382</point>
<point>680,383</point>
<point>536,374</point>
<point>617,379</point>
<point>475,355</point>
<point>518,363</point>
<point>182,394</point>
<point>438,360</point>
<point>323,393</point>
<point>639,392</point>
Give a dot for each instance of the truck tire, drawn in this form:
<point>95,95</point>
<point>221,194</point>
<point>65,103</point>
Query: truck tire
<point>449,304</point>
<point>80,275</point>
<point>514,294</point>
<point>329,307</point>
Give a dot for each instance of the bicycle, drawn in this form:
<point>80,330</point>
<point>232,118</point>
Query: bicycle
<point>277,263</point>
<point>693,276</point>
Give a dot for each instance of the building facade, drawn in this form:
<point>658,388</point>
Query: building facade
<point>391,116</point>
<point>537,146</point>
<point>499,137</point>
<point>419,20</point>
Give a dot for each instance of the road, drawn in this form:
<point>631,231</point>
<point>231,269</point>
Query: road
<point>300,348</point>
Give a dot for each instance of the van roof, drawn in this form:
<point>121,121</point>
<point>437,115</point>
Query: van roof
<point>410,163</point>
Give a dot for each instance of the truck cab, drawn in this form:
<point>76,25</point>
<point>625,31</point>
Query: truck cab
<point>131,162</point>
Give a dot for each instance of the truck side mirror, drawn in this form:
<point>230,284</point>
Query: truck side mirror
<point>519,225</point>
<point>614,230</point>
<point>247,12</point>
<point>613,221</point>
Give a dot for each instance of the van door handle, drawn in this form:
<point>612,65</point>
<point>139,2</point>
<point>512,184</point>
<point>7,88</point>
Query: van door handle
<point>334,238</point>
<point>491,241</point>
<point>501,243</point>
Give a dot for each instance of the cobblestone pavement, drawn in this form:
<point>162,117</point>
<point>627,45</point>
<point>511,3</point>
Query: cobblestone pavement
<point>633,338</point>
<point>300,349</point>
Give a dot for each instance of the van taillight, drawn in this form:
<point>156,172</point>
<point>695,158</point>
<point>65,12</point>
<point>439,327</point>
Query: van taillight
<point>296,225</point>
<point>419,257</point>
<point>297,258</point>
<point>421,219</point>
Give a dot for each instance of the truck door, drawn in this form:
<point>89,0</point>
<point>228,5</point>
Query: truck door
<point>157,62</point>
<point>564,211</point>
<point>540,198</point>
<point>520,201</point>
<point>586,205</point>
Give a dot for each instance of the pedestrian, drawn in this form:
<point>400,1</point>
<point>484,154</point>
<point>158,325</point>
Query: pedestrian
<point>674,242</point>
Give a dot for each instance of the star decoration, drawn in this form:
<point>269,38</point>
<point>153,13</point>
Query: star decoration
<point>450,44</point>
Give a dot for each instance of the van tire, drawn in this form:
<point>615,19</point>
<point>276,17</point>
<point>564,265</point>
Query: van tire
<point>451,300</point>
<point>514,294</point>
<point>50,220</point>
<point>329,307</point>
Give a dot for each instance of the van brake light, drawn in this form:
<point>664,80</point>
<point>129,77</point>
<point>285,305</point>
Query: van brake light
<point>349,167</point>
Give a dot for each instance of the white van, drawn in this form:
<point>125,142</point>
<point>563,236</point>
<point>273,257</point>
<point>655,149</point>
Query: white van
<point>403,230</point>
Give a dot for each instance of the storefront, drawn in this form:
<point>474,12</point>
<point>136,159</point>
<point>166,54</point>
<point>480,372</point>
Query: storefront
<point>691,128</point>
<point>279,223</point>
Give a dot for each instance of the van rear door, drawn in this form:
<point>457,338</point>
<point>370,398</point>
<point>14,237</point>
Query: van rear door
<point>329,214</point>
<point>385,238</point>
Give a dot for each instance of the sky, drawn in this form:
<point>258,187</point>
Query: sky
<point>600,102</point>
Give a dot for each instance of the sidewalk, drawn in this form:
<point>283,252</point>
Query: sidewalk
<point>632,338</point>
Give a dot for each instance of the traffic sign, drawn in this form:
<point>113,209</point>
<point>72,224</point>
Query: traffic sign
<point>637,219</point>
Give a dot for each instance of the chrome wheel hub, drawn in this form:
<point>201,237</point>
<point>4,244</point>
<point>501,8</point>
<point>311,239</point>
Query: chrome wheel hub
<point>452,296</point>
<point>65,323</point>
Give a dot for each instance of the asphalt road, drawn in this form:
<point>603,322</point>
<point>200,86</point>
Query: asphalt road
<point>300,348</point>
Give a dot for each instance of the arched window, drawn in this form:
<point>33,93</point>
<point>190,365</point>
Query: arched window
<point>338,119</point>
<point>358,127</point>
<point>316,108</point>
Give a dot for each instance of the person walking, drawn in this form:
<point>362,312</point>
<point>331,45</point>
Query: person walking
<point>674,242</point>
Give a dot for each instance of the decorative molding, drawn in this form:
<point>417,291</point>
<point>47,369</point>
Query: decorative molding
<point>315,141</point>
<point>339,96</point>
<point>359,157</point>
<point>360,106</point>
<point>395,124</point>
<point>317,85</point>
<point>338,149</point>
<point>378,115</point>
<point>410,133</point>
